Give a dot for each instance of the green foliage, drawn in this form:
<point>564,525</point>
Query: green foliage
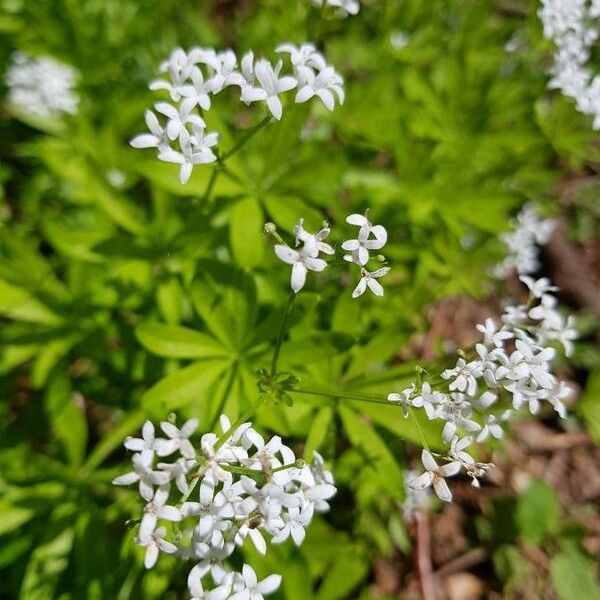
<point>538,513</point>
<point>128,300</point>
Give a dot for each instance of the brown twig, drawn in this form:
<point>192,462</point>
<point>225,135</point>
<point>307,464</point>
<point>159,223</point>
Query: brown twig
<point>462,563</point>
<point>424,569</point>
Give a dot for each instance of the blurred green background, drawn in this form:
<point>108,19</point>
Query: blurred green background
<point>104,257</point>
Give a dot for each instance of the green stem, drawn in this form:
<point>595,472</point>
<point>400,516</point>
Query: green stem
<point>246,138</point>
<point>281,333</point>
<point>344,395</point>
<point>113,440</point>
<point>237,423</point>
<point>419,429</point>
<point>211,184</point>
<point>230,382</point>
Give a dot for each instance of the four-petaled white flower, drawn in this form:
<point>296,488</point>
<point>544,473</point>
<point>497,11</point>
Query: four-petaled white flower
<point>154,544</point>
<point>435,476</point>
<point>252,589</point>
<point>369,279</point>
<point>403,399</point>
<point>363,243</point>
<point>271,85</point>
<point>301,264</point>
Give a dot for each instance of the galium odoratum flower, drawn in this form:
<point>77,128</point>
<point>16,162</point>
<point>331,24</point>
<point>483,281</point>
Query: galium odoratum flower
<point>435,475</point>
<point>41,86</point>
<point>306,258</point>
<point>195,77</point>
<point>246,488</point>
<point>370,237</point>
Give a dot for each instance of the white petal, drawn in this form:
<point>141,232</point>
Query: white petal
<point>185,172</point>
<point>298,277</point>
<point>441,489</point>
<point>359,290</point>
<point>269,584</point>
<point>274,104</point>
<point>375,286</point>
<point>126,479</point>
<point>287,255</point>
<point>356,219</point>
<point>428,461</point>
<point>151,555</point>
<point>145,140</point>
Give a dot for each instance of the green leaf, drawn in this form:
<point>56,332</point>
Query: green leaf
<point>285,211</point>
<point>183,387</point>
<point>589,405</point>
<point>68,421</point>
<point>574,575</point>
<point>49,356</point>
<point>344,575</point>
<point>538,513</point>
<point>13,517</point>
<point>169,297</point>
<point>166,177</point>
<point>246,237</point>
<point>50,558</point>
<point>16,303</point>
<point>383,468</point>
<point>321,346</point>
<point>174,341</point>
<point>225,297</point>
<point>120,210</point>
<point>318,431</point>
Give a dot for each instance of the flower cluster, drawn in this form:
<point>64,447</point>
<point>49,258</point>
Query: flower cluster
<point>572,25</point>
<point>342,7</point>
<point>369,237</point>
<point>509,368</point>
<point>247,488</point>
<point>41,86</point>
<point>309,245</point>
<point>528,232</point>
<point>194,77</point>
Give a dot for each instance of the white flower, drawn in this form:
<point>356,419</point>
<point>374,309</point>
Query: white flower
<point>301,264</point>
<point>343,7</point>
<point>305,55</point>
<point>539,287</point>
<point>325,84</point>
<point>178,472</point>
<point>178,439</point>
<point>197,94</point>
<point>363,243</point>
<point>492,336</point>
<point>428,399</point>
<point>157,509</point>
<point>225,73</point>
<point>145,444</point>
<point>197,592</point>
<point>154,544</point>
<point>369,279</point>
<point>464,376</point>
<point>404,399</point>
<point>271,85</point>
<point>457,450</point>
<point>157,136</point>
<point>313,242</point>
<point>434,476</point>
<point>178,119</point>
<point>41,86</point>
<point>555,395</point>
<point>493,426</point>
<point>143,474</point>
<point>189,156</point>
<point>254,589</point>
<point>296,520</point>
